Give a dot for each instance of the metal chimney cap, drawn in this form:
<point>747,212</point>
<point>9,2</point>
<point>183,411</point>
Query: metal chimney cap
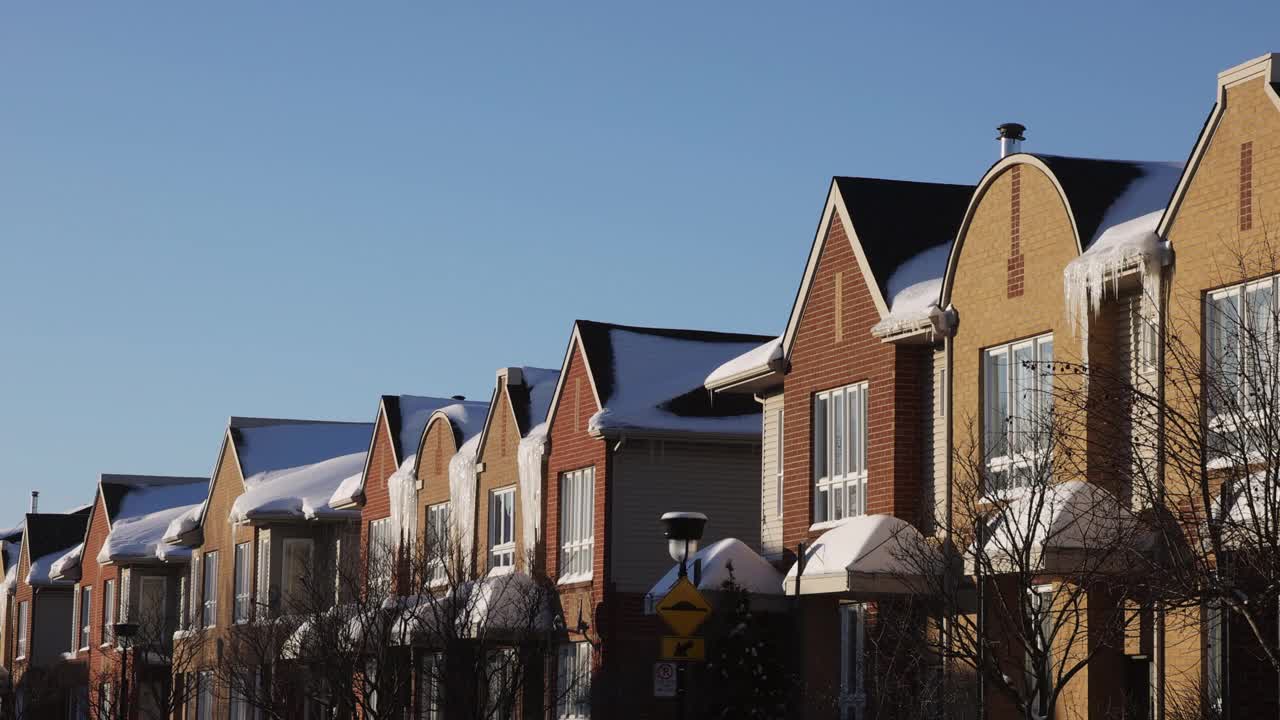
<point>1012,131</point>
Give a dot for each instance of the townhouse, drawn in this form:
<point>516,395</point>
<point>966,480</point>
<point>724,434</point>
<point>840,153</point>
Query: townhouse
<point>631,434</point>
<point>42,611</point>
<point>851,431</point>
<point>264,542</point>
<point>126,573</point>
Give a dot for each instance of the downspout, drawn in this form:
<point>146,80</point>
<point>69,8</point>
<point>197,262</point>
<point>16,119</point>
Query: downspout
<point>1166,270</point>
<point>948,549</point>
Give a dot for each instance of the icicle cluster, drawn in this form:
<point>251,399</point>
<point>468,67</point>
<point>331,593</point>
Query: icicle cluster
<point>402,491</point>
<point>529,463</point>
<point>1131,245</point>
<point>462,494</point>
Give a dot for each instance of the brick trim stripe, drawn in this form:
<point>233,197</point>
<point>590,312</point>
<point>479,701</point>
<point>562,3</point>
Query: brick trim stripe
<point>1015,269</point>
<point>1246,186</point>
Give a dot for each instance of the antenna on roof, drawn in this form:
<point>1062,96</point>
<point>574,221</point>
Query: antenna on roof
<point>35,501</point>
<point>1010,137</point>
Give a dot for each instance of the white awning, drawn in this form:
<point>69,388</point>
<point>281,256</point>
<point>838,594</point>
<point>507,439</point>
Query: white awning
<point>866,554</point>
<point>1065,528</point>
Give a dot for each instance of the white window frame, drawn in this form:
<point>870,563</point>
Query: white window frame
<point>1215,641</point>
<point>86,617</point>
<point>107,700</point>
<point>291,578</point>
<point>1040,601</point>
<point>1243,324</point>
<point>262,571</point>
<point>853,655</point>
<point>108,634</point>
<point>429,701</point>
<point>502,527</point>
<point>573,681</point>
<point>144,609</point>
<point>437,541</point>
<point>380,553</point>
<point>577,524</point>
<point>778,456</point>
<point>499,683</point>
<point>242,611</point>
<point>840,439</point>
<point>1010,437</point>
<point>209,589</point>
<point>24,629</point>
<point>205,695</point>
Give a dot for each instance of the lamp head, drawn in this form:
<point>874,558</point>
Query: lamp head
<point>125,630</point>
<point>683,531</point>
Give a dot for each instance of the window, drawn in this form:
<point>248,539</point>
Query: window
<point>297,564</point>
<point>1215,640</point>
<point>573,677</point>
<point>777,467</point>
<point>430,672</point>
<point>209,590</point>
<point>108,611</point>
<point>240,706</point>
<point>379,553</point>
<point>1017,407</point>
<point>106,701</point>
<point>24,627</point>
<point>86,607</point>
<point>1144,334</point>
<point>840,453</point>
<point>853,638</point>
<point>437,540</point>
<point>577,524</point>
<point>502,528</point>
<point>151,608</point>
<point>263,569</point>
<point>204,695</point>
<point>242,583</point>
<point>1240,330</point>
<point>499,684</point>
<point>1040,619</point>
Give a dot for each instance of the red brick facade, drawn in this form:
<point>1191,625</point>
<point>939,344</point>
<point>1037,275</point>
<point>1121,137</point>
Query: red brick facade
<point>101,662</point>
<point>381,464</point>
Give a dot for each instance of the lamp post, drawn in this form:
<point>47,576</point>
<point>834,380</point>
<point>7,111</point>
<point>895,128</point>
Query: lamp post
<point>683,531</point>
<point>125,632</point>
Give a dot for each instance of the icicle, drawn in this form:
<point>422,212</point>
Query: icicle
<point>402,491</point>
<point>529,462</point>
<point>462,495</point>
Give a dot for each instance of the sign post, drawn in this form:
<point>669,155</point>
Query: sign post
<point>683,609</point>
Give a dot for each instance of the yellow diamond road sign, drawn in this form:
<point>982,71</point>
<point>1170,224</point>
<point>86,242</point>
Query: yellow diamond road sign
<point>683,608</point>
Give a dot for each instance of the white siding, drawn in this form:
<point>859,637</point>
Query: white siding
<point>648,478</point>
<point>935,450</point>
<point>770,490</point>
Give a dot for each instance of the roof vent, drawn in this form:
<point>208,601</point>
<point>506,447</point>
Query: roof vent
<point>458,397</point>
<point>35,501</point>
<point>1011,138</point>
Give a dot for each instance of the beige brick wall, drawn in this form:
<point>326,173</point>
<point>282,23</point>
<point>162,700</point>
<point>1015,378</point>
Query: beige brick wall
<point>438,446</point>
<point>500,471</point>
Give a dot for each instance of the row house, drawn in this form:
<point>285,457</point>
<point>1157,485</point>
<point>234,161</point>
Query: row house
<point>126,573</point>
<point>851,452</point>
<point>264,542</point>
<point>10,553</point>
<point>632,434</point>
<point>39,611</point>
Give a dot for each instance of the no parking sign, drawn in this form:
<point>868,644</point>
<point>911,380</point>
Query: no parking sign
<point>664,680</point>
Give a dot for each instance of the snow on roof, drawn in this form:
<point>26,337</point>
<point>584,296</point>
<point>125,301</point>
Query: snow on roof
<point>142,515</point>
<point>928,264</point>
<point>750,571</point>
<point>42,568</point>
<point>67,566</point>
<point>184,523</point>
<point>879,553</point>
<point>542,388</point>
<point>301,493</point>
<point>1129,245</point>
<point>1147,194</point>
<point>413,411</point>
<point>757,358</point>
<point>914,307</point>
<point>651,379</point>
<point>467,417</point>
<point>267,445</point>
<point>10,582</point>
<point>348,490</point>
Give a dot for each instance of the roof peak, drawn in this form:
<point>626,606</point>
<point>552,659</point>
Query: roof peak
<point>683,333</point>
<point>237,421</point>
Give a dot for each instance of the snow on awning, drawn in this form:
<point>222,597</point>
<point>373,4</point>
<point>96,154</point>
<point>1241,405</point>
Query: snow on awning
<point>1127,247</point>
<point>510,601</point>
<point>184,524</point>
<point>300,493</point>
<point>1067,527</point>
<point>47,570</point>
<point>1251,521</point>
<point>750,571</point>
<point>914,309</point>
<point>757,361</point>
<point>866,554</point>
<point>139,523</point>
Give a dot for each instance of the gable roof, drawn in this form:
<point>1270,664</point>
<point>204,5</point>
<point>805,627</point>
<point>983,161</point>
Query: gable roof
<point>466,419</point>
<point>529,398</point>
<point>48,537</point>
<point>649,380</point>
<point>139,508</point>
<point>268,444</point>
<point>406,416</point>
<point>899,231</point>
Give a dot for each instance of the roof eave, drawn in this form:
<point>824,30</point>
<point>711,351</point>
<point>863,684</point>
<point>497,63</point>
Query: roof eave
<point>665,434</point>
<point>751,380</point>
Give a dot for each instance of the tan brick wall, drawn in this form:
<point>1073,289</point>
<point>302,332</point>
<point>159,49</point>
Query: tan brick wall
<point>500,471</point>
<point>100,661</point>
<point>438,446</point>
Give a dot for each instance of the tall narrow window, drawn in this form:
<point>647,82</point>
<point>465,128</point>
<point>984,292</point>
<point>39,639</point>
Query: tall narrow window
<point>573,681</point>
<point>577,524</point>
<point>1017,411</point>
<point>24,627</point>
<point>204,695</point>
<point>777,467</point>
<point>1215,644</point>
<point>502,527</point>
<point>108,611</point>
<point>438,552</point>
<point>298,558</point>
<point>86,612</point>
<point>430,675</point>
<point>151,608</point>
<point>1041,619</point>
<point>853,694</point>
<point>379,553</point>
<point>263,572</point>
<point>209,590</point>
<point>106,701</point>
<point>840,453</point>
<point>243,582</point>
<point>499,678</point>
<point>1243,366</point>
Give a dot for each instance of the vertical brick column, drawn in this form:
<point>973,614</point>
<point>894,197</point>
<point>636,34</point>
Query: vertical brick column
<point>1246,186</point>
<point>1014,285</point>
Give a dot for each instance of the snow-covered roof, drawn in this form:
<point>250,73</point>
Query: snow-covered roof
<point>348,490</point>
<point>298,493</point>
<point>914,308</point>
<point>466,418</point>
<point>139,509</point>
<point>184,523</point>
<point>49,537</point>
<point>750,571</point>
<point>1130,245</point>
<point>407,415</point>
<point>865,553</point>
<point>65,567</point>
<point>264,445</point>
<point>1065,526</point>
<point>532,398</point>
<point>760,359</point>
<point>651,379</point>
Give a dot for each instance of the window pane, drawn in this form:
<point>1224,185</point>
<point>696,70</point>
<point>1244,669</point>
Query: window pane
<point>996,407</point>
<point>820,437</point>
<point>837,434</point>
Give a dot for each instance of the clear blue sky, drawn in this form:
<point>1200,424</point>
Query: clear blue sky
<point>288,208</point>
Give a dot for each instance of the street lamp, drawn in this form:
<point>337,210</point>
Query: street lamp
<point>683,531</point>
<point>125,632</point>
